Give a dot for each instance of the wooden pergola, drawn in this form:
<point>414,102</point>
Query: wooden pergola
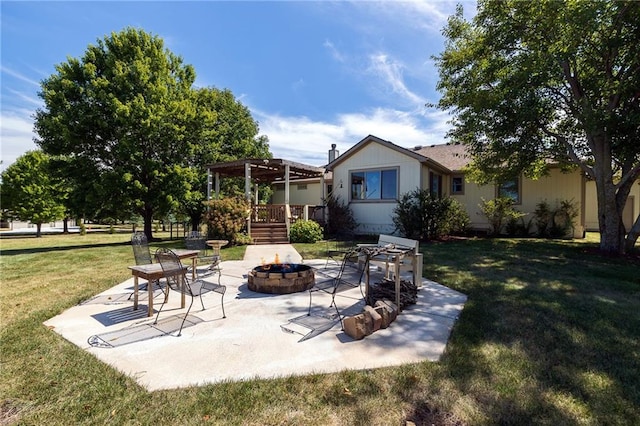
<point>259,170</point>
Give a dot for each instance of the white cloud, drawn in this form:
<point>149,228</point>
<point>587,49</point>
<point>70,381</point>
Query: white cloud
<point>19,76</point>
<point>335,53</point>
<point>17,137</point>
<point>306,141</point>
<point>391,73</point>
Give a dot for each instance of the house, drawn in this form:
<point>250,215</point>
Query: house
<point>373,174</point>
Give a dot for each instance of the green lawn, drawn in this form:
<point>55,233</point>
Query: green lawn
<point>550,334</point>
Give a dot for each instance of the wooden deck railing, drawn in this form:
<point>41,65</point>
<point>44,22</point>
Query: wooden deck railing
<point>277,213</point>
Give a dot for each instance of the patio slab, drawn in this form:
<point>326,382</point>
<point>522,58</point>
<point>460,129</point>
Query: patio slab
<point>251,342</point>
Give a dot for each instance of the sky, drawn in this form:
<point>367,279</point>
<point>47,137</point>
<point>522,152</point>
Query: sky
<point>311,73</point>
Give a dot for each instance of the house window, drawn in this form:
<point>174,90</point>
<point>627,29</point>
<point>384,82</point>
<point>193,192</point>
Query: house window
<point>302,186</point>
<point>435,185</point>
<point>510,189</point>
<point>457,185</point>
<point>374,185</point>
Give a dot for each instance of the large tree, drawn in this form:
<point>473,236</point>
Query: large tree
<point>555,80</point>
<point>223,130</point>
<point>30,193</point>
<point>120,113</point>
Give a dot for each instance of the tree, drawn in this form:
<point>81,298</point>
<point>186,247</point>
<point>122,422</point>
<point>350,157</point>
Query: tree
<point>119,115</point>
<point>221,130</point>
<point>29,191</point>
<point>530,82</point>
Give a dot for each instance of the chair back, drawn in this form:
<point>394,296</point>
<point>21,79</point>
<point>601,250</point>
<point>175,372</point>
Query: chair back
<point>141,249</point>
<point>173,270</point>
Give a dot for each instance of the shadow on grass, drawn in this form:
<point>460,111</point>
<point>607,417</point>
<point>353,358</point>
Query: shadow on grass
<point>549,331</point>
<point>36,250</point>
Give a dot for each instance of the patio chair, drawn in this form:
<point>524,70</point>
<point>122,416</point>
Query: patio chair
<point>349,275</point>
<point>213,259</point>
<point>177,280</point>
<point>142,256</point>
<point>337,247</point>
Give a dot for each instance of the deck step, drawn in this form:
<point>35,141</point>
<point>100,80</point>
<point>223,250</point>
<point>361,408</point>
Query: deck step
<point>269,233</point>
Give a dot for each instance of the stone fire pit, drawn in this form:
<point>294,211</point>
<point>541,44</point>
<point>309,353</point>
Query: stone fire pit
<point>281,278</point>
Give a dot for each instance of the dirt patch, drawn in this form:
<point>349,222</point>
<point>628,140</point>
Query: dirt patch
<point>423,415</point>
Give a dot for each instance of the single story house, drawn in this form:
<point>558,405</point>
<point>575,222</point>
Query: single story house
<point>372,175</point>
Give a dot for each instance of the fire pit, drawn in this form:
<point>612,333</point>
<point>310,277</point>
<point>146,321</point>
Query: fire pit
<point>278,278</point>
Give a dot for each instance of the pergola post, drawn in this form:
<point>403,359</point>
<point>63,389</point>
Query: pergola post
<point>286,184</point>
<point>247,181</point>
<point>217,183</point>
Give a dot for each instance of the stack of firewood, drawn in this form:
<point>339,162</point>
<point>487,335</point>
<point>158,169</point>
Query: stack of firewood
<point>386,289</point>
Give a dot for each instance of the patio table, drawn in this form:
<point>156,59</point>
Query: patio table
<point>391,255</point>
<point>153,271</point>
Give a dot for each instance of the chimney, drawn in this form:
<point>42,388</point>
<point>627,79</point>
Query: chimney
<point>333,153</point>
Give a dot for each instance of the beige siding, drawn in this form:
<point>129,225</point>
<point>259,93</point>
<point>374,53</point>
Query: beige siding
<point>376,217</point>
<point>471,200</point>
<point>312,195</point>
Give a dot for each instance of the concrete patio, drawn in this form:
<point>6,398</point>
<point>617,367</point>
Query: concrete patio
<point>258,338</point>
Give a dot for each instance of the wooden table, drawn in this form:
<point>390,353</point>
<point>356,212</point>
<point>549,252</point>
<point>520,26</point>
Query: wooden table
<point>188,254</point>
<point>153,272</point>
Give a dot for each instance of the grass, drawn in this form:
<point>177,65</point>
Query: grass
<point>550,334</point>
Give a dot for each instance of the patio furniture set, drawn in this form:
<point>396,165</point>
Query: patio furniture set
<point>353,270</point>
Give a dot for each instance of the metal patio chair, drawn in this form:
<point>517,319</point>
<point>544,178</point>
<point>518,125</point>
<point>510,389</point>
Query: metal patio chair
<point>142,256</point>
<point>349,275</point>
<point>177,280</point>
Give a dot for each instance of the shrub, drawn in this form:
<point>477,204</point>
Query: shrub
<point>227,218</point>
<point>340,220</point>
<point>517,227</point>
<point>498,212</point>
<point>420,216</point>
<point>558,222</point>
<point>305,231</point>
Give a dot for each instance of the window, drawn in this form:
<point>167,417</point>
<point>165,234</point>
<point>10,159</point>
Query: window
<point>302,186</point>
<point>374,185</point>
<point>435,185</point>
<point>457,185</point>
<point>510,189</point>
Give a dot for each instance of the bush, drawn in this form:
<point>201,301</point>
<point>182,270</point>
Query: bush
<point>420,216</point>
<point>498,212</point>
<point>558,222</point>
<point>227,218</point>
<point>340,220</point>
<point>305,231</point>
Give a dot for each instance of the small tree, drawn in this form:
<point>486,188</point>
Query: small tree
<point>29,191</point>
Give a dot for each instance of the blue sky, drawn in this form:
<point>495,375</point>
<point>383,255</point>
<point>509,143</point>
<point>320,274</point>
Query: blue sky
<point>312,73</point>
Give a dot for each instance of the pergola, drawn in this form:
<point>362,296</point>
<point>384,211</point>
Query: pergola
<point>261,170</point>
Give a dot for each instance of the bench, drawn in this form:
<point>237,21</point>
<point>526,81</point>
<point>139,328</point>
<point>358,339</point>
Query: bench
<point>411,263</point>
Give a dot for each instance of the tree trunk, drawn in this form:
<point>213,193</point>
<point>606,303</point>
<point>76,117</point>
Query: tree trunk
<point>632,236</point>
<point>609,207</point>
<point>148,222</point>
<point>65,225</point>
<point>195,221</point>
<point>38,230</point>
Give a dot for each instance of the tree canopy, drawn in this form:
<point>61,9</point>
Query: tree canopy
<point>530,82</point>
<point>29,192</point>
<point>133,132</point>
